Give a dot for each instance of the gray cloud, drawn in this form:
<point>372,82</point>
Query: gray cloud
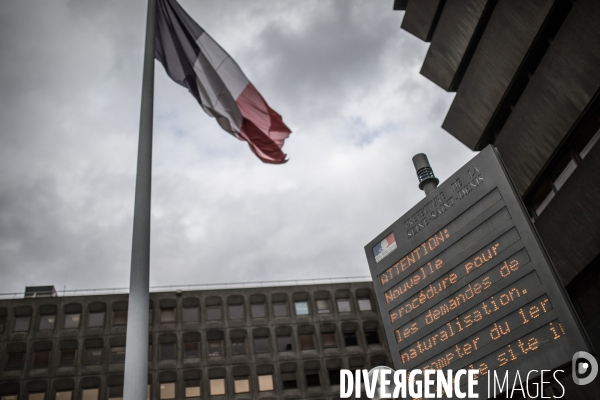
<point>342,74</point>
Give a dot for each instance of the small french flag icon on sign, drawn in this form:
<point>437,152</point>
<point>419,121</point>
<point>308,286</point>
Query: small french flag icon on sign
<point>385,247</point>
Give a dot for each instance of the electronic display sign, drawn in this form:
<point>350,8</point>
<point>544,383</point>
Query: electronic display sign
<point>463,281</point>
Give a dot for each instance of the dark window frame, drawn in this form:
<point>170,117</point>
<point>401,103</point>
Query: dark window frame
<point>88,358</point>
<point>72,321</point>
<point>280,306</point>
<point>236,312</point>
<point>190,311</point>
<point>20,325</point>
<point>117,354</point>
<point>238,344</point>
<point>120,317</point>
<point>93,317</point>
<point>216,348</point>
<point>212,312</point>
<point>285,343</point>
<point>191,350</point>
<point>167,351</point>
<point>67,361</point>
<point>15,361</point>
<point>48,326</point>
<point>262,345</point>
<point>254,310</point>
<point>166,314</point>
<point>307,341</point>
<point>41,359</point>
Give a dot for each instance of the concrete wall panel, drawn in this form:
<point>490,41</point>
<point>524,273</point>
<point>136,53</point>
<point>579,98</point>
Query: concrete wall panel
<point>507,38</point>
<point>452,36</point>
<point>420,18</point>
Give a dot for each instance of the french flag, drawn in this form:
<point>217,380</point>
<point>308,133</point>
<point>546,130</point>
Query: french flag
<point>194,60</point>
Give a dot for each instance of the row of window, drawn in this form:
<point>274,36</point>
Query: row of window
<point>554,179</point>
<point>191,349</point>
<point>192,387</point>
<point>189,314</point>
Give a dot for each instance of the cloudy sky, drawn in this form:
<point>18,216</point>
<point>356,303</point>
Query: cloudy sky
<point>342,74</point>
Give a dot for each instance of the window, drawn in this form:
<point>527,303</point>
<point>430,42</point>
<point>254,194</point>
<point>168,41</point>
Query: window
<point>167,390</point>
<point>365,304</point>
<point>280,309</point>
<point>47,322</point>
<point>41,359</point>
<point>334,377</point>
<point>215,348</point>
<point>372,337</point>
<point>67,358</point>
<point>323,307</point>
<point>344,305</point>
<point>241,385</point>
<point>265,383</point>
<point>92,356</point>
<point>561,170</point>
<point>236,311</point>
<point>217,386</point>
<point>587,147</point>
<point>192,388</point>
<point>168,351</point>
<point>213,313</point>
<point>117,355</point>
<point>328,340</point>
<point>36,396</point>
<point>15,361</point>
<point>167,315</point>
<point>22,324</point>
<point>259,310</point>
<point>115,392</point>
<point>190,314</point>
<point>90,394</point>
<point>191,350</point>
<point>119,317</point>
<point>312,379</point>
<point>96,319</point>
<point>289,381</point>
<point>72,321</point>
<point>284,343</point>
<point>238,347</point>
<point>261,345</point>
<point>350,339</point>
<point>307,341</point>
<point>64,395</point>
<point>2,324</point>
<point>301,308</point>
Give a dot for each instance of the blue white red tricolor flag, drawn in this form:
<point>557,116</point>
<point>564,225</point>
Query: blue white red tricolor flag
<point>385,247</point>
<point>194,60</point>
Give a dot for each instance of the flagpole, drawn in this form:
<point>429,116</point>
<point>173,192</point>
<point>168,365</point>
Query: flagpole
<point>136,356</point>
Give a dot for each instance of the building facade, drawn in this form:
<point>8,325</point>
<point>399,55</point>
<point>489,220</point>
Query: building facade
<point>526,79</point>
<point>251,343</point>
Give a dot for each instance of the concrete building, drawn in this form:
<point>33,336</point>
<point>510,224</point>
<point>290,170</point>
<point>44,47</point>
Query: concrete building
<point>258,343</point>
<point>526,79</point>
